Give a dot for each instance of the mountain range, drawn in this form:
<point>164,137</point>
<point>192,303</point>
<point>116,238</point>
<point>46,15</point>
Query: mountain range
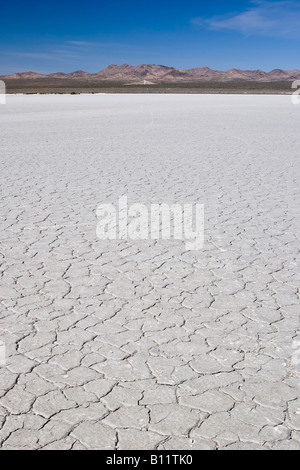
<point>160,73</point>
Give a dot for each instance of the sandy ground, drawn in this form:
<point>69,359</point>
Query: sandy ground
<point>142,344</point>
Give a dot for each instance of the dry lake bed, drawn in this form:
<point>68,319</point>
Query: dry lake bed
<point>142,344</point>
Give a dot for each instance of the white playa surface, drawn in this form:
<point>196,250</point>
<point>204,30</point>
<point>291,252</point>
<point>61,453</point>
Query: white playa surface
<point>144,345</point>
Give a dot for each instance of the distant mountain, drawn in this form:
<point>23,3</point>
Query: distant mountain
<point>77,74</point>
<point>25,75</point>
<point>134,72</point>
<point>160,73</point>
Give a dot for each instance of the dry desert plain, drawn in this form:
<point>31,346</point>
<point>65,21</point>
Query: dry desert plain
<point>123,344</point>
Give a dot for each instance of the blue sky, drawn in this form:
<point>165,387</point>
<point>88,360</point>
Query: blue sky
<point>52,36</point>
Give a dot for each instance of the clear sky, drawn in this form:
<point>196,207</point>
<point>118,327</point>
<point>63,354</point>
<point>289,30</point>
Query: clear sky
<point>52,35</point>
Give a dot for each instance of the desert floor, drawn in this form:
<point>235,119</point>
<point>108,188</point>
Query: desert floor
<point>141,344</point>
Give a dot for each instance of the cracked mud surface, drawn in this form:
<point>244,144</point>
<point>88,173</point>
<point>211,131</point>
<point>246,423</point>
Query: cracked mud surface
<point>144,345</point>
